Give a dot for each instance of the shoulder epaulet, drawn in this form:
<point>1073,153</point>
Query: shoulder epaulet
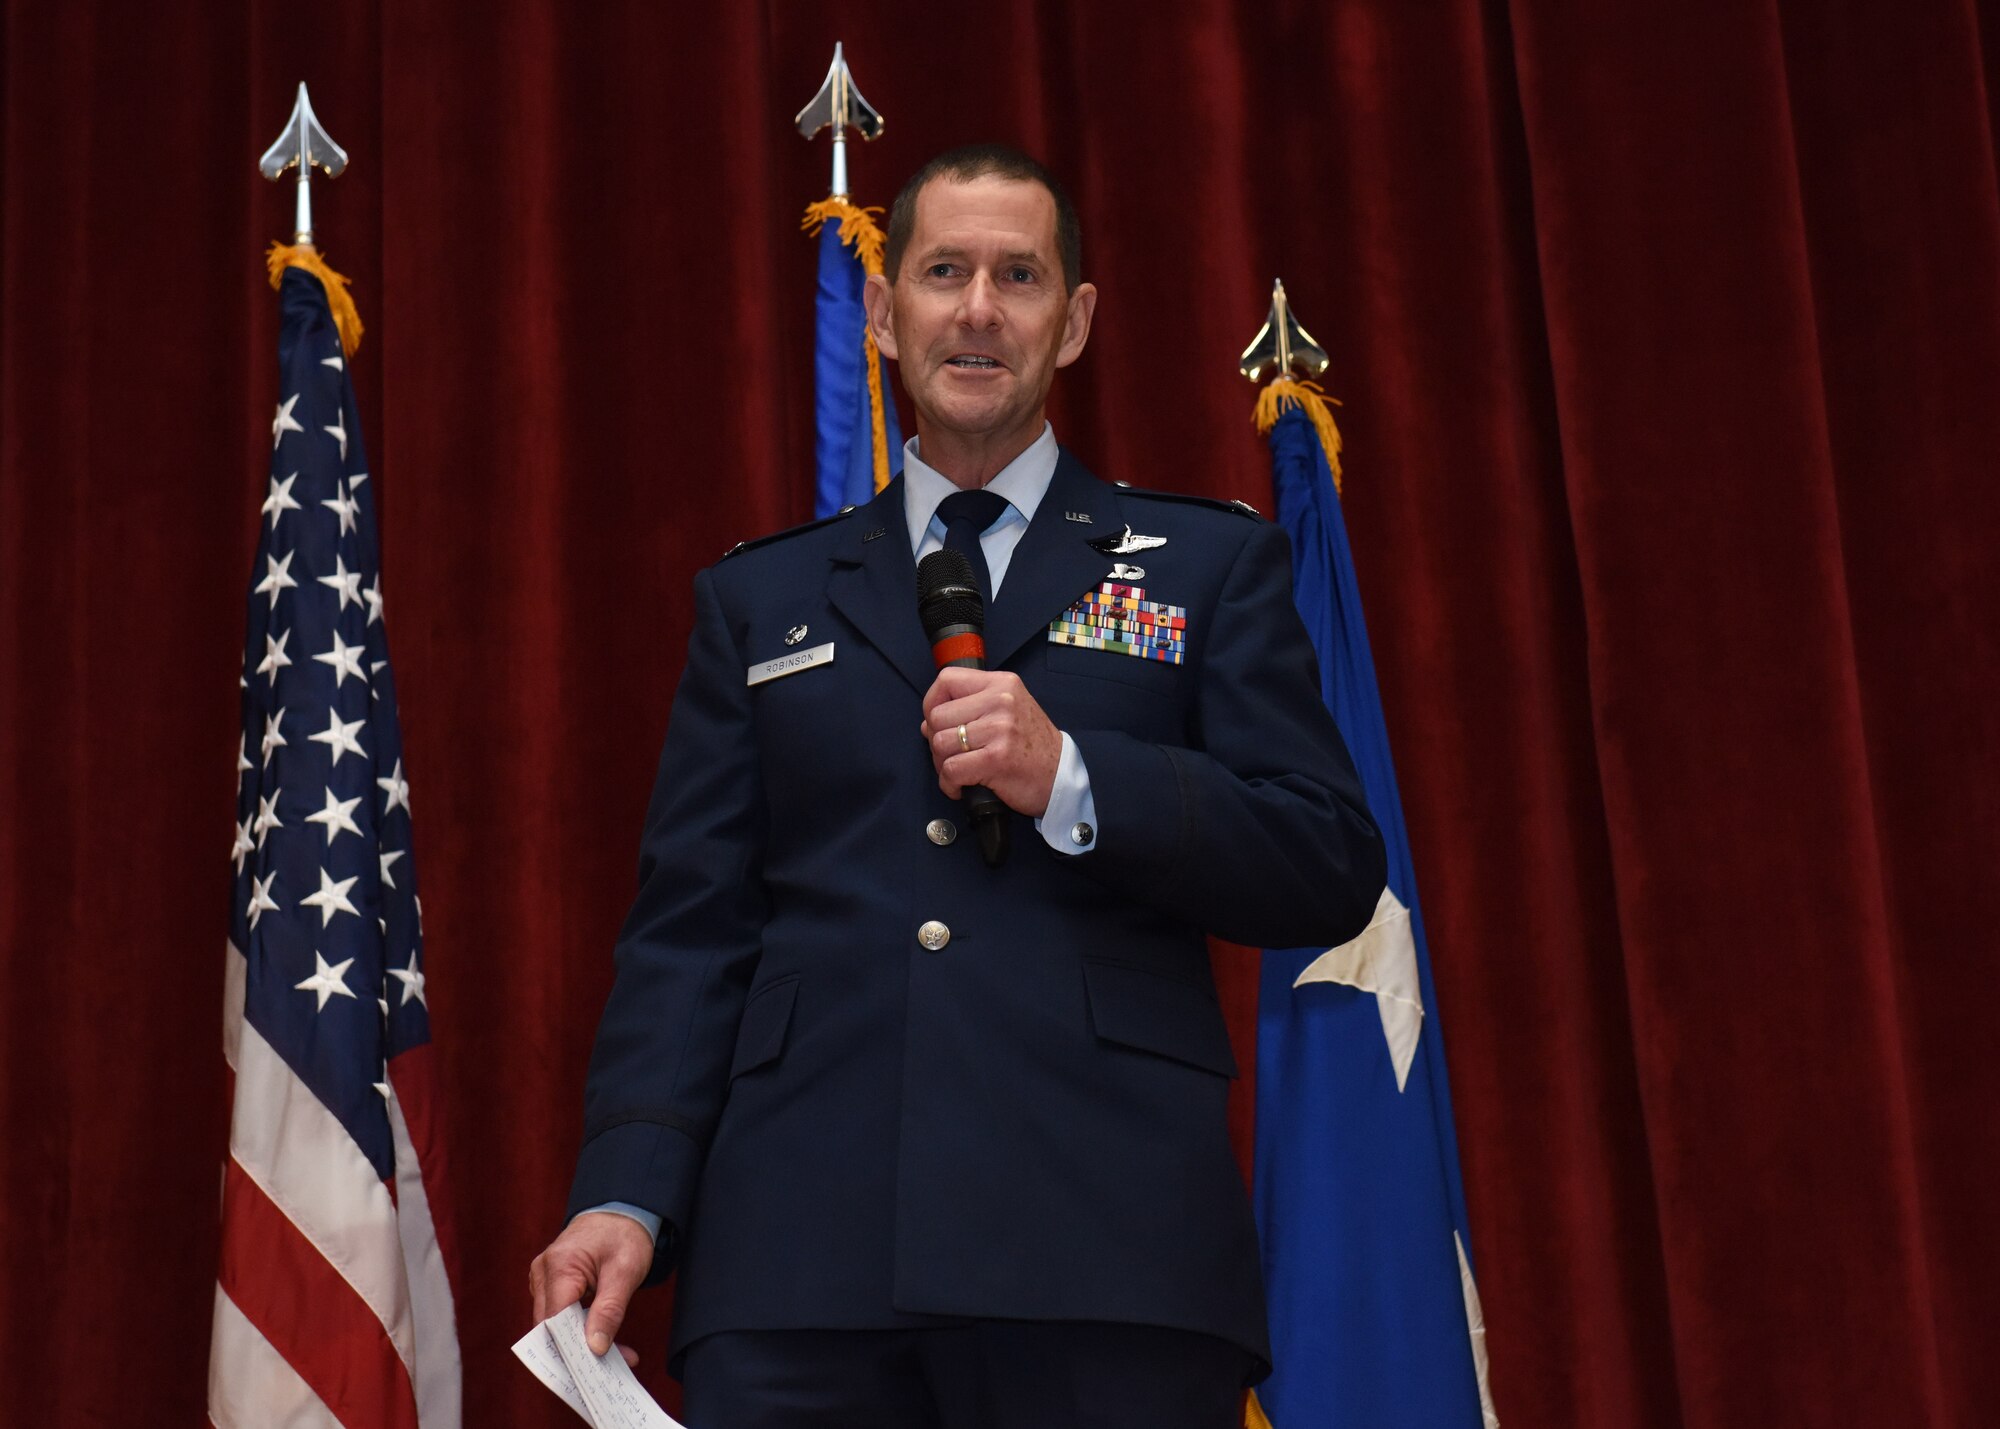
<point>741,546</point>
<point>1241,508</point>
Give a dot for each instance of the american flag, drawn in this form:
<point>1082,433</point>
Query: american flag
<point>332,1303</point>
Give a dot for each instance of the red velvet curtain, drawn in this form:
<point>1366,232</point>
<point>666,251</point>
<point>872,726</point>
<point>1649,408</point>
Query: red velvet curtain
<point>1668,337</point>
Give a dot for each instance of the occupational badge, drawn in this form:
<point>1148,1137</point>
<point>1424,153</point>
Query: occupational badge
<point>1126,544</point>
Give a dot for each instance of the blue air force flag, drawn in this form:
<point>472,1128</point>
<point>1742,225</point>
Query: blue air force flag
<point>858,443</point>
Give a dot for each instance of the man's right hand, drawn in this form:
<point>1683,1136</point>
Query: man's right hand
<point>602,1254</point>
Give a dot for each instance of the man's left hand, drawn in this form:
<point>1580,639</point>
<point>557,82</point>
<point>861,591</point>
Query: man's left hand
<point>1014,749</point>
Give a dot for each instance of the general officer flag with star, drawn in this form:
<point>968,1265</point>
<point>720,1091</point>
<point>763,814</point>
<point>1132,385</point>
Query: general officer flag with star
<point>1374,1314</point>
<point>332,1299</point>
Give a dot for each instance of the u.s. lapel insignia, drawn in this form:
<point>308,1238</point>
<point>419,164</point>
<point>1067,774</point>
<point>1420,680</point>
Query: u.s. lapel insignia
<point>1118,617</point>
<point>1126,544</point>
<point>1082,518</point>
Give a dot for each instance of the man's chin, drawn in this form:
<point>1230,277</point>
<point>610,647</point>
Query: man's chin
<point>975,419</point>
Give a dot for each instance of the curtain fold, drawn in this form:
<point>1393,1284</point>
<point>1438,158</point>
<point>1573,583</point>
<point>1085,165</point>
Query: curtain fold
<point>1667,342</point>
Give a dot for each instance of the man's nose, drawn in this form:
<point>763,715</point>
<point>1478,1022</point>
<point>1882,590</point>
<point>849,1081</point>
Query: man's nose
<point>980,306</point>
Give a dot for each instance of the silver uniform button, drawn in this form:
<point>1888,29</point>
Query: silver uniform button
<point>1081,835</point>
<point>934,935</point>
<point>941,831</point>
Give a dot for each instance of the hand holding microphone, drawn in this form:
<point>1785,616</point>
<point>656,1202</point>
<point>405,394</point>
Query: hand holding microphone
<point>1009,749</point>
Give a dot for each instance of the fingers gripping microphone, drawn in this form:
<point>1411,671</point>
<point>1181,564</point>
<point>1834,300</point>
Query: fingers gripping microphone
<point>954,616</point>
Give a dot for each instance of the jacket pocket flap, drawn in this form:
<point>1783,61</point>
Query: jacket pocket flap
<point>760,1036</point>
<point>1155,1013</point>
<point>1160,676</point>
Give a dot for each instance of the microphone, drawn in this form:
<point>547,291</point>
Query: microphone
<point>954,616</point>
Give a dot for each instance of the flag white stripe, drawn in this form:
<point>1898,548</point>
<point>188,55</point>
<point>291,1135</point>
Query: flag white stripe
<point>250,1386</point>
<point>300,1155</point>
<point>235,971</point>
<point>436,1370</point>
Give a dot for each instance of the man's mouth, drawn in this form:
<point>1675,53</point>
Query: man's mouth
<point>968,360</point>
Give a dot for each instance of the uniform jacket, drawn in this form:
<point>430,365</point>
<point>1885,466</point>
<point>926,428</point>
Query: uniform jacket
<point>846,1129</point>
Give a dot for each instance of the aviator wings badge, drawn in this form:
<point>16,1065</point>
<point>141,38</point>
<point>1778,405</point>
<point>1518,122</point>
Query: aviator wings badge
<point>1125,543</point>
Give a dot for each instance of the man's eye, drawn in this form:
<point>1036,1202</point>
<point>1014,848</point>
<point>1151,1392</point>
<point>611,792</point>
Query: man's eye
<point>1021,275</point>
<point>940,270</point>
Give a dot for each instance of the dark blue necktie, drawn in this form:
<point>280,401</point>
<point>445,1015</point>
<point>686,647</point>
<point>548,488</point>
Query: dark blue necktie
<point>966,515</point>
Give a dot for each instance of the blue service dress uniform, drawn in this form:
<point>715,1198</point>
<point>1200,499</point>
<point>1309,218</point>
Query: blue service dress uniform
<point>870,1082</point>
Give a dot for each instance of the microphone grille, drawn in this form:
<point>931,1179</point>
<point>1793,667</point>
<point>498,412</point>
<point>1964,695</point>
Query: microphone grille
<point>948,591</point>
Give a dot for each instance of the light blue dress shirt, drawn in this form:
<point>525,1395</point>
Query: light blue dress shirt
<point>1024,481</point>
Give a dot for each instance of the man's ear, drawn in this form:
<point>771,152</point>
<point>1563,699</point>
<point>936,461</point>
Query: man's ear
<point>877,298</point>
<point>1076,323</point>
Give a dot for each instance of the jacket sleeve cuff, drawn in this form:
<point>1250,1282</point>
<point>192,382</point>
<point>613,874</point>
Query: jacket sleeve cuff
<point>1140,805</point>
<point>645,1165</point>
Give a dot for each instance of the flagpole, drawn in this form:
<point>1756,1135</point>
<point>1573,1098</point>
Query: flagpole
<point>304,143</point>
<point>839,106</point>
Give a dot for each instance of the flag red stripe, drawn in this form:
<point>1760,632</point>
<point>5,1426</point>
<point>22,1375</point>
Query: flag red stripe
<point>309,1312</point>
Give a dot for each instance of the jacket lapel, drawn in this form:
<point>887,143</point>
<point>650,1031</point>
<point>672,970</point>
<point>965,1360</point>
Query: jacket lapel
<point>874,584</point>
<point>1054,563</point>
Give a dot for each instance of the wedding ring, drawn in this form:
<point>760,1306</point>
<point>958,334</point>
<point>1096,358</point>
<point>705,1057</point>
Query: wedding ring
<point>964,743</point>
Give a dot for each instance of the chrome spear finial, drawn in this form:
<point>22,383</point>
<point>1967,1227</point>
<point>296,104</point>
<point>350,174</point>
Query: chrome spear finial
<point>303,143</point>
<point>1281,344</point>
<point>839,104</point>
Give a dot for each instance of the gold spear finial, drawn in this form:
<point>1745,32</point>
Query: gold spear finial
<point>1281,344</point>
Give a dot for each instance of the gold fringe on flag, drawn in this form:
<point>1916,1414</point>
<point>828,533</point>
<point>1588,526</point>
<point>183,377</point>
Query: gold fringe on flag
<point>1285,393</point>
<point>858,228</point>
<point>860,232</point>
<point>346,318</point>
<point>1253,1412</point>
<point>878,426</point>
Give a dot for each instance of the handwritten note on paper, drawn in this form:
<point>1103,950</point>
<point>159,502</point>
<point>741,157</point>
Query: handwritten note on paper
<point>537,1350</point>
<point>602,1389</point>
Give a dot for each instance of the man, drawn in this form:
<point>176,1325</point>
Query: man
<point>937,1143</point>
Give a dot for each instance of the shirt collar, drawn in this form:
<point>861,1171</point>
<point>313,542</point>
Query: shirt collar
<point>1024,481</point>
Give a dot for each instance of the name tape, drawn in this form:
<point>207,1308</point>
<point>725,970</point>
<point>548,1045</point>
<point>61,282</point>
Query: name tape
<point>791,664</point>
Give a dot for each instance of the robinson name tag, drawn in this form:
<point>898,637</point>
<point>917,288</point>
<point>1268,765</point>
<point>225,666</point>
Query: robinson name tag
<point>792,664</point>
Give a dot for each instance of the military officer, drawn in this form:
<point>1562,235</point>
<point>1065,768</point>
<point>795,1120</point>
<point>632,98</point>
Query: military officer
<point>934,1142</point>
